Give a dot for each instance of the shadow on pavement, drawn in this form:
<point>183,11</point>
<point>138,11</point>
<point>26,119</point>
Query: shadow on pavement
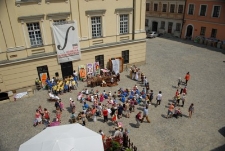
<point>220,148</point>
<point>192,43</point>
<point>222,131</point>
<point>163,115</point>
<point>133,125</point>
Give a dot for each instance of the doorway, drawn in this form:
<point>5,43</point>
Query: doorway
<point>154,26</point>
<point>67,69</point>
<point>189,32</point>
<point>43,74</point>
<point>170,27</point>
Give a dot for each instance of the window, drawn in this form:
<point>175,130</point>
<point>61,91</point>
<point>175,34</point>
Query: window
<point>162,25</point>
<point>191,9</point>
<point>124,24</point>
<point>164,8</point>
<point>155,7</point>
<point>96,27</point>
<point>125,56</point>
<point>146,22</point>
<point>147,7</point>
<point>34,34</point>
<point>100,59</point>
<point>216,11</point>
<point>213,33</point>
<point>202,32</point>
<point>178,26</point>
<point>172,7</point>
<point>203,10</point>
<point>180,9</point>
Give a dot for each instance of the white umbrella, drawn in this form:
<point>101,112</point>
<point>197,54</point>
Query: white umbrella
<point>73,137</point>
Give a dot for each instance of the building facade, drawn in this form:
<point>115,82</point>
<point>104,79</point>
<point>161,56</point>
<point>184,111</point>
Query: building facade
<point>165,16</point>
<point>106,29</point>
<point>204,18</point>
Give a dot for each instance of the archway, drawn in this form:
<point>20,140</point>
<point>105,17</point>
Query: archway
<point>154,26</point>
<point>189,32</point>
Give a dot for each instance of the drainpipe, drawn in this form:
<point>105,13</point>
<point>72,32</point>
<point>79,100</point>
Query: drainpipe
<point>133,20</point>
<point>183,17</point>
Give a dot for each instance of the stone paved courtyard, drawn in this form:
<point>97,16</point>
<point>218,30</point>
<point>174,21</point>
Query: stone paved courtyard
<point>166,61</point>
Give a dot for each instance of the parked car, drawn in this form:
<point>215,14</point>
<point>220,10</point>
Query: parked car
<point>152,34</point>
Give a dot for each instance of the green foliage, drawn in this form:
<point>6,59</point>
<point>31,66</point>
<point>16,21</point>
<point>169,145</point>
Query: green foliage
<point>115,146</point>
<point>128,149</point>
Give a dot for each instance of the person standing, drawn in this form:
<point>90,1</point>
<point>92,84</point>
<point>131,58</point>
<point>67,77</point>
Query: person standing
<point>191,110</point>
<point>183,99</point>
<point>151,96</point>
<point>138,119</point>
<point>145,114</point>
<point>105,115</point>
<point>145,81</point>
<point>147,88</point>
<point>46,116</point>
<point>127,111</point>
<point>57,104</point>
<point>187,77</point>
<point>83,118</point>
<point>120,111</point>
<point>170,111</point>
<point>38,119</point>
<point>185,90</point>
<point>178,99</point>
<point>159,98</point>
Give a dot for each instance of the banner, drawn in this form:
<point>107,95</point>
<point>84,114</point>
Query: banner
<point>89,68</point>
<point>96,68</point>
<point>82,72</point>
<point>116,65</point>
<point>66,41</point>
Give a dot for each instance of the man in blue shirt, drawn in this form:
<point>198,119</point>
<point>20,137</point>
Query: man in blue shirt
<point>86,106</point>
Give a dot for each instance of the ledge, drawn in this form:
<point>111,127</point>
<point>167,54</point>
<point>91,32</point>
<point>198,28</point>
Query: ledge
<point>15,49</point>
<point>27,1</point>
<point>94,12</point>
<point>31,17</point>
<point>112,44</point>
<point>33,57</point>
<point>120,10</point>
<point>58,15</point>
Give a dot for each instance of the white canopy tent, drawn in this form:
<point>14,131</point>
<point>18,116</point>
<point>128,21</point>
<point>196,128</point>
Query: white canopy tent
<point>72,137</point>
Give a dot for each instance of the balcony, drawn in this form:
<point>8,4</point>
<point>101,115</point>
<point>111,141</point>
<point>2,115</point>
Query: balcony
<point>164,15</point>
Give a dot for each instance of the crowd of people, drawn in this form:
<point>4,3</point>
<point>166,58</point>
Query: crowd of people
<point>58,86</point>
<point>174,109</point>
<point>113,106</point>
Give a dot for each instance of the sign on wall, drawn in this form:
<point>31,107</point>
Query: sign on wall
<point>66,41</point>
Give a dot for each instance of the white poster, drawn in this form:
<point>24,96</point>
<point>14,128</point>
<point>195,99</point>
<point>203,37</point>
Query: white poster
<point>116,65</point>
<point>66,41</point>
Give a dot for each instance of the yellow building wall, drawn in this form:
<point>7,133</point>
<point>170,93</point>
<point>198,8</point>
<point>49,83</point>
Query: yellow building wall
<point>23,74</point>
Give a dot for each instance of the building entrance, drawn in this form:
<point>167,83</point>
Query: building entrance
<point>189,32</point>
<point>154,26</point>
<point>170,27</point>
<point>67,69</point>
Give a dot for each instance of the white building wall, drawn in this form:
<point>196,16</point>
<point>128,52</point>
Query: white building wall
<point>156,19</point>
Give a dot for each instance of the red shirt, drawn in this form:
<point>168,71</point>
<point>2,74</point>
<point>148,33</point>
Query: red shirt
<point>105,113</point>
<point>187,77</point>
<point>138,116</point>
<point>185,90</point>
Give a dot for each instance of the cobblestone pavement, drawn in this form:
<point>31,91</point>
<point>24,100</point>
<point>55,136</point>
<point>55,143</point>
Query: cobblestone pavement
<point>166,61</point>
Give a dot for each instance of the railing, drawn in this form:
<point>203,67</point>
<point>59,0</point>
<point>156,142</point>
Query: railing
<point>123,146</point>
